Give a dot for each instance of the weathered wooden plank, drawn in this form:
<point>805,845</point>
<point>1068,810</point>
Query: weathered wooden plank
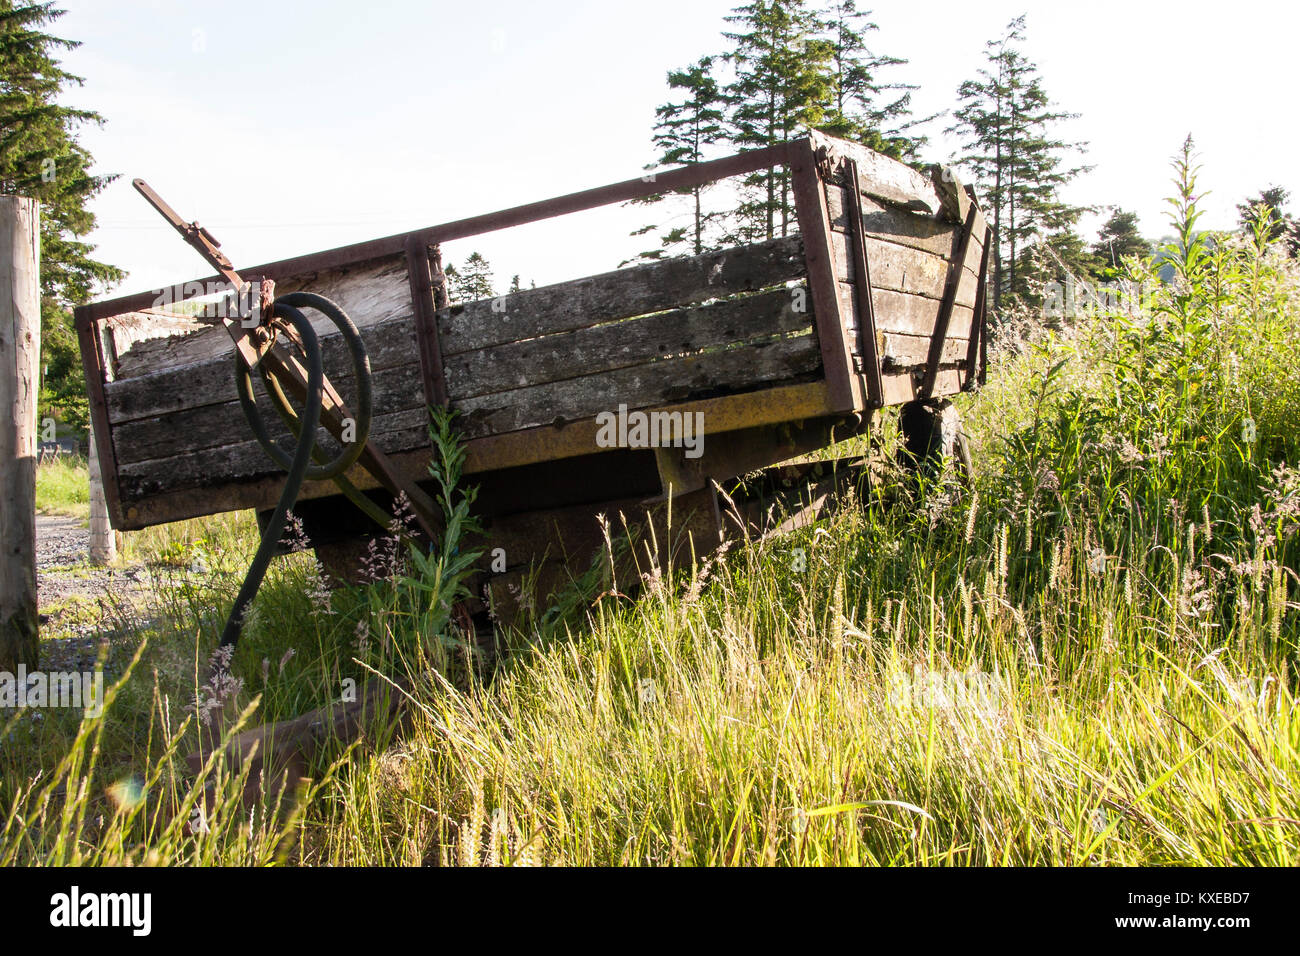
<point>389,344</point>
<point>905,386</point>
<point>624,343</point>
<point>891,224</point>
<point>836,332</point>
<point>245,461</point>
<point>721,414</point>
<point>902,269</point>
<point>125,333</point>
<point>882,178</point>
<point>211,426</point>
<point>909,314</point>
<point>903,351</point>
<point>657,286</point>
<point>640,386</point>
<point>370,293</point>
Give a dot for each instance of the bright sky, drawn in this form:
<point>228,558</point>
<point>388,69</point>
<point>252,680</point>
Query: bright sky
<point>288,128</point>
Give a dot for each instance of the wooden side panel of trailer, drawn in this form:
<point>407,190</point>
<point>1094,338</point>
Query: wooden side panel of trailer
<point>753,336</point>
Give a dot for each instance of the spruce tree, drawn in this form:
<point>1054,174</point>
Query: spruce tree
<point>472,281</point>
<point>40,157</point>
<point>1118,239</point>
<point>1271,203</point>
<point>687,131</point>
<point>864,108</point>
<point>783,83</point>
<point>1005,119</point>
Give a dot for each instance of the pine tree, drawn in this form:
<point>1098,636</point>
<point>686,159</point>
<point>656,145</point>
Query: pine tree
<point>783,83</point>
<point>472,281</point>
<point>1118,239</point>
<point>1005,118</point>
<point>1271,202</point>
<point>685,132</point>
<point>40,157</point>
<point>864,108</point>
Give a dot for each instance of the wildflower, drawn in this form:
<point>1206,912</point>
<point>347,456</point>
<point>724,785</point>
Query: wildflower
<point>221,688</point>
<point>295,536</point>
<point>319,592</point>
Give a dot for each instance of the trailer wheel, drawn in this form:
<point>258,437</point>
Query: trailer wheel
<point>933,439</point>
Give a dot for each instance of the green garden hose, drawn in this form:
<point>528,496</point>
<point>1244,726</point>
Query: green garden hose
<point>286,314</point>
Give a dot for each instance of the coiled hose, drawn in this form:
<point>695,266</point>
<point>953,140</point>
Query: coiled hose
<point>286,315</point>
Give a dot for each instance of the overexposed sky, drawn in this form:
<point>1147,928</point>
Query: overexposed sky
<point>290,127</point>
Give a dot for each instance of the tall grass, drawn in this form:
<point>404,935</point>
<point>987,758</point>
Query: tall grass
<point>63,486</point>
<point>1085,658</point>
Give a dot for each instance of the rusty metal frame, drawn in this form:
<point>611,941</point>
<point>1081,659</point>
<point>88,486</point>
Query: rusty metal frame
<point>871,369</point>
<point>955,271</point>
<point>649,185</point>
<point>427,341</point>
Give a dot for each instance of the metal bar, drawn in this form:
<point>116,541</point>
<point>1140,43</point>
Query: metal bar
<point>944,318</point>
<point>683,177</point>
<point>974,365</point>
<point>815,227</point>
<point>203,241</point>
<point>426,321</point>
<point>92,364</point>
<point>862,290</point>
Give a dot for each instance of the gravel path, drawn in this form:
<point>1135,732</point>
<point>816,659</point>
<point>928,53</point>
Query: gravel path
<point>81,605</point>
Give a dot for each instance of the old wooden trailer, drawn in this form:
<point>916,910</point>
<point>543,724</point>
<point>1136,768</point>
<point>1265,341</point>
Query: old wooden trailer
<point>776,349</point>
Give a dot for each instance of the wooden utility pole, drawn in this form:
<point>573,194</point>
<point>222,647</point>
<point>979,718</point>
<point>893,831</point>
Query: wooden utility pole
<point>20,349</point>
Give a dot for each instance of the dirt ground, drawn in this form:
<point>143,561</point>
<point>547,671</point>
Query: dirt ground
<point>82,606</point>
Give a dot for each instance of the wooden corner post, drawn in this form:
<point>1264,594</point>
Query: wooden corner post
<point>815,227</point>
<point>20,349</point>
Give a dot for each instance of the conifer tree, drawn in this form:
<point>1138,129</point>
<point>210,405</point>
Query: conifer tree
<point>40,157</point>
<point>472,281</point>
<point>1006,119</point>
<point>1271,202</point>
<point>783,83</point>
<point>1118,239</point>
<point>686,131</point>
<point>864,108</point>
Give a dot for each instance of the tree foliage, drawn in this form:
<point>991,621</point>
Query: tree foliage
<point>1006,121</point>
<point>40,157</point>
<point>788,66</point>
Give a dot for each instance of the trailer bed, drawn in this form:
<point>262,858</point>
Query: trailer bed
<point>780,345</point>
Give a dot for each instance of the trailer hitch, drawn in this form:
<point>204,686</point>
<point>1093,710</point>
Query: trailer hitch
<point>273,336</point>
